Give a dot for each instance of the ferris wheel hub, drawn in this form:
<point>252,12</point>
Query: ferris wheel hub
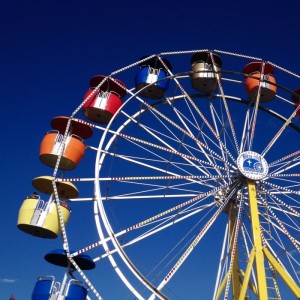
<point>252,165</point>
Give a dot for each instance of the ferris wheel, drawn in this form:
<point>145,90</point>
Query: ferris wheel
<point>193,191</point>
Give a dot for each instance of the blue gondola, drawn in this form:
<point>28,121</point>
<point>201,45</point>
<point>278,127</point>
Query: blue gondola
<point>45,286</point>
<point>150,77</point>
<point>75,290</point>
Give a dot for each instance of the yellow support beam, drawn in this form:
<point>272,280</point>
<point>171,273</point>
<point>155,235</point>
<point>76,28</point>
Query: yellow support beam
<point>283,274</point>
<point>247,276</point>
<point>250,284</point>
<point>257,243</point>
<point>222,286</point>
<point>236,287</point>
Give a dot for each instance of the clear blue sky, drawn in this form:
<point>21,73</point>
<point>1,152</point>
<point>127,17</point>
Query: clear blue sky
<point>49,51</point>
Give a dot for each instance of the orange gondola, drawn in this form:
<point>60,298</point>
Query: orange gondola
<point>71,150</point>
<point>260,77</point>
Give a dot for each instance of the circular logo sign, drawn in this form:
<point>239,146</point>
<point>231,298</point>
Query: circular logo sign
<point>252,165</point>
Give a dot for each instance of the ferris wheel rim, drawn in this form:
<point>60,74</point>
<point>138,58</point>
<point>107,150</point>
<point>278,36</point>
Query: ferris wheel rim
<point>229,98</point>
<point>102,153</point>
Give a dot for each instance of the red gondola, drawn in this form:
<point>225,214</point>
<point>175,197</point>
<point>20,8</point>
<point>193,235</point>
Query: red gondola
<point>103,102</point>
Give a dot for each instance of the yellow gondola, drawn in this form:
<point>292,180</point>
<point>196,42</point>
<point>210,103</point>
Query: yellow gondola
<point>39,217</point>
